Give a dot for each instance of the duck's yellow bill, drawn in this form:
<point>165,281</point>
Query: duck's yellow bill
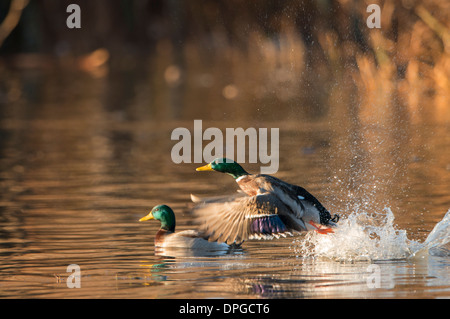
<point>205,168</point>
<point>148,217</point>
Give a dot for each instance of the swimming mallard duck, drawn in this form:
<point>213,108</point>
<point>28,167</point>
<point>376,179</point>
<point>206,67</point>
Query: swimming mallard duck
<point>272,208</point>
<point>187,239</point>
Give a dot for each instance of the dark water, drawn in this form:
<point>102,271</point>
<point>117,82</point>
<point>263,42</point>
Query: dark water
<point>83,158</point>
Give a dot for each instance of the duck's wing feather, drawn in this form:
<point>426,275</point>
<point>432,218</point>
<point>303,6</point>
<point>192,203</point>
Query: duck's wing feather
<point>309,204</point>
<point>217,199</point>
<point>234,221</point>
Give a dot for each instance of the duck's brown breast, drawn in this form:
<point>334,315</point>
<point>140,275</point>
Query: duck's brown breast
<point>160,236</point>
<point>249,185</point>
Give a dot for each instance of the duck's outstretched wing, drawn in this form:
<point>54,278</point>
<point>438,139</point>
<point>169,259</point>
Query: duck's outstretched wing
<point>234,221</point>
<point>309,207</point>
<point>217,199</point>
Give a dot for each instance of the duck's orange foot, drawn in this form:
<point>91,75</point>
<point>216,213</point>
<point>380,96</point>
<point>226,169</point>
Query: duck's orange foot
<point>321,229</point>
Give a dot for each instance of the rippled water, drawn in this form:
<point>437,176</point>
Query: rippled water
<point>81,163</point>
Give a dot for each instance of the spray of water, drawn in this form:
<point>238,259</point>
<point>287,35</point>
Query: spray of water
<point>369,237</point>
<point>438,241</point>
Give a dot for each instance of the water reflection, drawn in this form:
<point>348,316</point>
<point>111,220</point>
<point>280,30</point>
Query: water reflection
<point>177,252</point>
<point>255,276</point>
<point>82,158</point>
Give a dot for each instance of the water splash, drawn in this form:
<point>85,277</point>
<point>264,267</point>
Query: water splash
<point>369,237</point>
<point>438,241</point>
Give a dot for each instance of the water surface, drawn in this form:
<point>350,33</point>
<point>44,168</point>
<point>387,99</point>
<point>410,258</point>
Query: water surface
<point>82,159</point>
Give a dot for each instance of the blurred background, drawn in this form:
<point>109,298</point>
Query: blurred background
<point>256,53</point>
<point>376,100</point>
<point>86,117</point>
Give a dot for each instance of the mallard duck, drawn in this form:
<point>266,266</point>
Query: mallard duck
<point>167,237</point>
<point>269,208</point>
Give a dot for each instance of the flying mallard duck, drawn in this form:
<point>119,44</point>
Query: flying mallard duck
<point>187,239</point>
<point>273,208</point>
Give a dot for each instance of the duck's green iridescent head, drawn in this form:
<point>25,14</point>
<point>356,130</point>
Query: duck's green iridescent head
<point>164,214</point>
<point>224,165</point>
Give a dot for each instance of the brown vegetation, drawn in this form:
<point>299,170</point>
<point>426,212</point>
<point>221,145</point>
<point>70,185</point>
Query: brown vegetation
<point>283,50</point>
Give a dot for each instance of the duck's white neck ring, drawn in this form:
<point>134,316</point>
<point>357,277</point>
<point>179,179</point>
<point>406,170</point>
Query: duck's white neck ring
<point>240,177</point>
